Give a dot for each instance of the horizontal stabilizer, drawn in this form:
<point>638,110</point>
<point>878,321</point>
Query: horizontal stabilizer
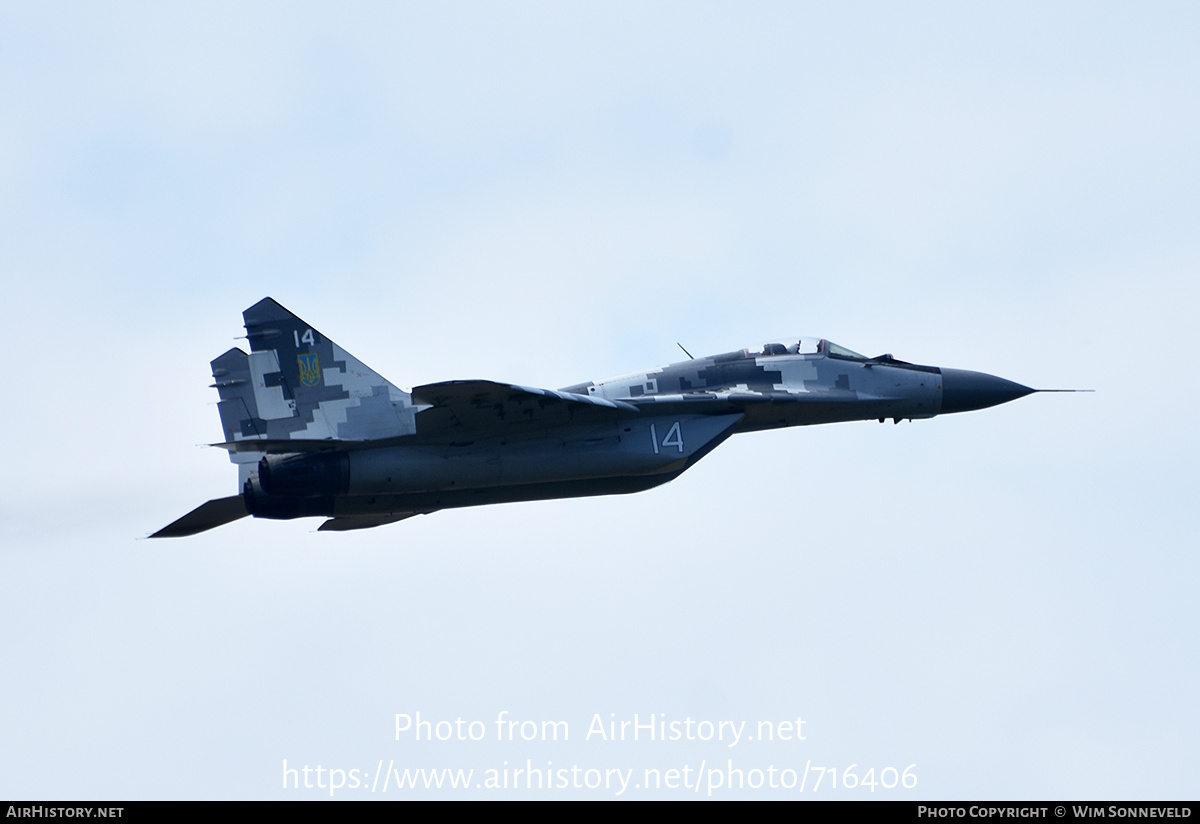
<point>208,515</point>
<point>362,521</point>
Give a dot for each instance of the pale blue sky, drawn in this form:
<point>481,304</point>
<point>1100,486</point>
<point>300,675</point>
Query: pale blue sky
<point>549,193</point>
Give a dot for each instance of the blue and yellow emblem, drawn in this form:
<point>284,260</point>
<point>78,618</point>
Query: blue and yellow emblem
<point>310,369</point>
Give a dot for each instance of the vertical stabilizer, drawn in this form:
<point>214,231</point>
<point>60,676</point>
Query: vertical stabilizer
<point>238,407</point>
<point>302,385</point>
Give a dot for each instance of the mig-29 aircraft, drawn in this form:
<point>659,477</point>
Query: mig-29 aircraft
<point>315,432</point>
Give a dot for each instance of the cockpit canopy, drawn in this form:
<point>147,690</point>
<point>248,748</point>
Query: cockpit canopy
<point>804,346</point>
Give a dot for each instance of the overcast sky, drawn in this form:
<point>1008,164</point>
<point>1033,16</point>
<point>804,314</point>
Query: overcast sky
<point>551,193</point>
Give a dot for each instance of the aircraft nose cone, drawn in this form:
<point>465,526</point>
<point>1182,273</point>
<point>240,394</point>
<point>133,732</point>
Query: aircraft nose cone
<point>964,390</point>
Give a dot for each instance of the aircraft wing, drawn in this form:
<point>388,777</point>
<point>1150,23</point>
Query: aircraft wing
<point>488,407</point>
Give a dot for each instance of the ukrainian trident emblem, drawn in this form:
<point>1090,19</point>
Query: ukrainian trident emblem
<point>310,369</point>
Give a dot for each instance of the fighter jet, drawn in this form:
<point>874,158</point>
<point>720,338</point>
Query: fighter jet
<point>315,432</point>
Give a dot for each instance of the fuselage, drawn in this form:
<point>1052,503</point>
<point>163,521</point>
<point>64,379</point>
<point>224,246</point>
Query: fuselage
<point>665,420</point>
